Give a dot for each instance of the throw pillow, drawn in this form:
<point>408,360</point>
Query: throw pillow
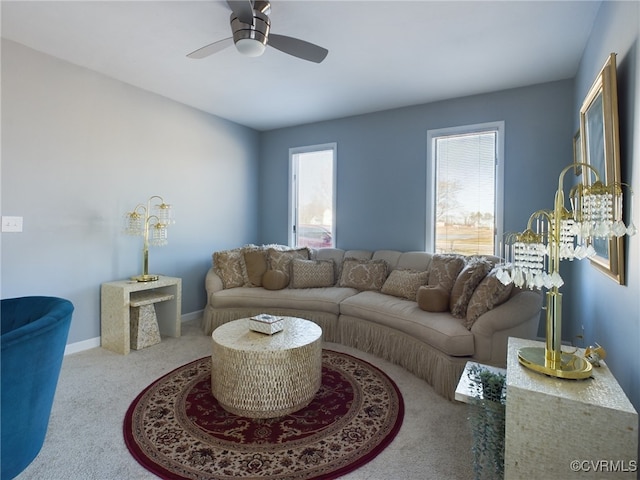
<point>404,283</point>
<point>256,264</point>
<point>467,281</point>
<point>489,294</point>
<point>444,270</point>
<point>363,274</point>
<point>229,266</point>
<point>275,280</point>
<point>281,259</point>
<point>311,273</point>
<point>433,298</point>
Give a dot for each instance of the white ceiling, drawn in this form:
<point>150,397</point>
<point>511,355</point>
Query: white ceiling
<point>382,54</point>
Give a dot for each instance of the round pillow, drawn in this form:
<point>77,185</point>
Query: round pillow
<point>275,280</point>
<point>433,298</point>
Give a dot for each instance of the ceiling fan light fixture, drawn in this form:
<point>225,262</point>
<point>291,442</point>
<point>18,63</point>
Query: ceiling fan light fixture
<point>250,47</point>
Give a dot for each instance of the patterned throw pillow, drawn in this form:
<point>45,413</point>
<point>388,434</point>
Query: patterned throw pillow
<point>433,298</point>
<point>404,283</point>
<point>489,294</point>
<point>363,274</point>
<point>467,281</point>
<point>311,273</point>
<point>444,270</point>
<point>281,259</point>
<point>229,266</point>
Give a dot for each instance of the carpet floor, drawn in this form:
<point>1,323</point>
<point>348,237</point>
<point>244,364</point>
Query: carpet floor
<point>96,387</point>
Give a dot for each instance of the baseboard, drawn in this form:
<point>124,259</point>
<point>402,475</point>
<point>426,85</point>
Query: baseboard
<point>95,342</point>
<point>187,317</point>
<point>81,346</point>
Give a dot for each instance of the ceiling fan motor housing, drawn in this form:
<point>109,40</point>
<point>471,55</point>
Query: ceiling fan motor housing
<point>251,39</point>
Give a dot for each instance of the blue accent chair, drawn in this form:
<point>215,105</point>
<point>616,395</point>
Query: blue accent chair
<point>33,336</point>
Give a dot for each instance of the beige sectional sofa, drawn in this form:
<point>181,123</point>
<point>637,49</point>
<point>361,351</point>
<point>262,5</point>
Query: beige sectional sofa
<point>428,313</point>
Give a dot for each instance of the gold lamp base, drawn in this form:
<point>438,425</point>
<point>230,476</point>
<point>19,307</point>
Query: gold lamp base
<point>145,278</point>
<point>572,366</point>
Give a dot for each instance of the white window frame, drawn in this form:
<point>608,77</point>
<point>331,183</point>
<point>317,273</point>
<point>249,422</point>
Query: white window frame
<point>293,195</point>
<point>432,135</point>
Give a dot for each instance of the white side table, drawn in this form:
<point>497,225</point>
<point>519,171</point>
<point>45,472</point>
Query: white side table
<point>557,428</point>
<point>118,297</point>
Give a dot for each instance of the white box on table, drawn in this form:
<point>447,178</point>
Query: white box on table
<point>265,323</point>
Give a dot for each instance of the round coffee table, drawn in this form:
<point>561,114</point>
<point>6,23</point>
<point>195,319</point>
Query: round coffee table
<point>264,376</point>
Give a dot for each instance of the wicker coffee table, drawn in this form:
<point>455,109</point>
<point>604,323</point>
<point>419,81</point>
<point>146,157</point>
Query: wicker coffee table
<point>264,376</point>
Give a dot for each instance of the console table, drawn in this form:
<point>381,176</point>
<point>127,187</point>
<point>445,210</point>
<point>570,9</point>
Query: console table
<point>118,297</point>
<point>557,428</point>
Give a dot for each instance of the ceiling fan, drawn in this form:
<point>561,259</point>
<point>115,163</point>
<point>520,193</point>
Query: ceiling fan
<point>250,25</point>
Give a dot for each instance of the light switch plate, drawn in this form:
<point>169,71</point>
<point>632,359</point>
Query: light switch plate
<point>11,224</point>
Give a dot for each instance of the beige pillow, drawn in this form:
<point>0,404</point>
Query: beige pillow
<point>256,265</point>
<point>275,280</point>
<point>489,294</point>
<point>363,274</point>
<point>433,298</point>
<point>229,266</point>
<point>467,281</point>
<point>404,283</point>
<point>311,273</point>
<point>281,259</point>
<point>444,269</point>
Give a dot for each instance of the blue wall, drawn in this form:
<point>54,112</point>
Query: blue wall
<point>382,174</point>
<point>610,312</point>
<point>79,150</point>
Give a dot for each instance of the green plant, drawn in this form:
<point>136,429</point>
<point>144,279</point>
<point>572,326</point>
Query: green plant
<point>487,420</point>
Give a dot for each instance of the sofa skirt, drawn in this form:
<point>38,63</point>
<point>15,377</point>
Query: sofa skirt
<point>214,317</point>
<point>435,367</point>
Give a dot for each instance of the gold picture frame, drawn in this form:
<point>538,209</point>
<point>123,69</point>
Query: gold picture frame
<point>600,145</point>
<point>577,154</point>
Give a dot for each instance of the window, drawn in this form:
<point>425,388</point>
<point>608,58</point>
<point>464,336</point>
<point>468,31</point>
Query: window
<point>465,200</point>
<point>312,196</point>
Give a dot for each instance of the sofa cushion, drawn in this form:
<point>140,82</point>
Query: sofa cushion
<point>415,261</point>
<point>256,264</point>
<point>230,267</point>
<point>444,269</point>
<point>325,299</point>
<point>433,298</point>
<point>440,330</point>
<point>489,294</point>
<point>363,274</point>
<point>275,280</point>
<point>468,279</point>
<point>311,273</point>
<point>404,283</point>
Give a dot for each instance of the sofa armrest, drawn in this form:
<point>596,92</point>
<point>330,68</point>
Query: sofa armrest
<point>212,282</point>
<point>518,309</point>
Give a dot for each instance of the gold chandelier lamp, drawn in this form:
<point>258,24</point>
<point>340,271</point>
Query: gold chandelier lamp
<point>151,222</point>
<point>533,259</point>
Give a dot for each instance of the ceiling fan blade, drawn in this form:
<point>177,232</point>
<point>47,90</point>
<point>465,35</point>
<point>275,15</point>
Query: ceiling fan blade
<point>297,48</point>
<point>211,48</point>
<point>243,9</point>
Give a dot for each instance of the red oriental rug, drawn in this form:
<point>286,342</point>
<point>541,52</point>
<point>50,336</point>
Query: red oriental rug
<point>176,429</point>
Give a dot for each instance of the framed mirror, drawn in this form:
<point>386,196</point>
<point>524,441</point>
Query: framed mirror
<point>600,144</point>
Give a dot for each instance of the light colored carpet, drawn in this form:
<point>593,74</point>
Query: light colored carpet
<point>85,439</point>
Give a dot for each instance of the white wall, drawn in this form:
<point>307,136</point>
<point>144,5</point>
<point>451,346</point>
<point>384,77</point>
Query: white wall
<point>79,150</point>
